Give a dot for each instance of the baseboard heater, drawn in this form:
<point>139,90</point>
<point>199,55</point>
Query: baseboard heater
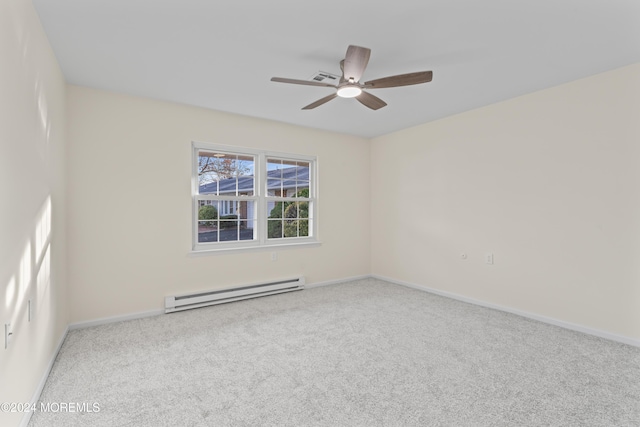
<point>202,299</point>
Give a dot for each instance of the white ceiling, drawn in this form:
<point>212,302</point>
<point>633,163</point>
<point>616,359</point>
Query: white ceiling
<point>222,54</point>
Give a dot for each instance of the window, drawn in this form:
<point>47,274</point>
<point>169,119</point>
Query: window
<point>245,198</point>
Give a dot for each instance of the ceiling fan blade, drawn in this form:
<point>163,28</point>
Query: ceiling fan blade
<point>370,101</point>
<point>400,80</point>
<point>355,62</point>
<point>319,102</point>
<point>300,82</point>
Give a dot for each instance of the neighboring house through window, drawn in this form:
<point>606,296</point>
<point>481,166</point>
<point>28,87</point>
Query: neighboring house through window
<point>245,198</point>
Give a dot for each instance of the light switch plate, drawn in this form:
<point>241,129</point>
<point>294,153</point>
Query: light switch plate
<point>7,334</point>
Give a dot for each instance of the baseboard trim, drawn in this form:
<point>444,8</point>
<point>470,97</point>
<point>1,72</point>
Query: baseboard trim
<point>114,319</point>
<point>561,323</point>
<point>337,281</point>
<point>151,313</point>
<point>43,380</point>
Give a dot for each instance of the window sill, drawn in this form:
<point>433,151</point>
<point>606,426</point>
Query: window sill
<point>263,248</point>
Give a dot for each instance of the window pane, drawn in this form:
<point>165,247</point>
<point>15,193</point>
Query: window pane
<point>274,187</point>
<point>304,228</point>
<point>289,181</point>
<point>228,230</point>
<point>290,228</point>
<point>274,168</point>
<point>303,171</point>
<point>246,232</point>
<point>302,189</point>
<point>206,232</point>
<point>244,209</point>
<point>291,210</point>
<point>274,229</point>
<point>208,220</point>
<point>277,211</point>
<point>303,209</point>
<point>245,165</point>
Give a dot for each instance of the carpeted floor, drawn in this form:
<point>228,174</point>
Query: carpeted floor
<point>362,353</point>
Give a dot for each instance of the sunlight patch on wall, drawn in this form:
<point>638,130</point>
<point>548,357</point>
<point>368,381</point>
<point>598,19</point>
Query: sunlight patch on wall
<point>44,274</point>
<point>33,274</point>
<point>42,267</point>
<point>43,228</point>
<point>10,292</point>
<point>25,273</point>
<point>43,111</point>
<point>24,37</point>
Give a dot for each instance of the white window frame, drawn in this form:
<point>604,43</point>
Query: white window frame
<point>260,198</point>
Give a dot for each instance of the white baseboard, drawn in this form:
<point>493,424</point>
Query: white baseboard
<point>43,380</point>
<point>540,318</point>
<point>142,314</point>
<point>150,313</point>
<point>335,282</point>
<point>544,319</point>
<point>114,319</point>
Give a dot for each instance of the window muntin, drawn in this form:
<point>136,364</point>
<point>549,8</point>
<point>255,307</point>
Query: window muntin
<point>247,198</point>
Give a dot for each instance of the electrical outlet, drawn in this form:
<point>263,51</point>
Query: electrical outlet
<point>274,256</point>
<point>488,258</point>
<point>7,334</point>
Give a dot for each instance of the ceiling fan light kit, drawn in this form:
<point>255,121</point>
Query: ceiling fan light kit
<point>349,91</point>
<point>353,66</point>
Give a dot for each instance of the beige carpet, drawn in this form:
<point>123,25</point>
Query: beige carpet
<point>363,353</point>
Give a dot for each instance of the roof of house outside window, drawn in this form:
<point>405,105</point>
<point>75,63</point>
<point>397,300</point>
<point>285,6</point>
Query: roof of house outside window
<point>276,179</point>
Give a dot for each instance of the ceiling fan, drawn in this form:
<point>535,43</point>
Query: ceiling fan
<point>353,66</point>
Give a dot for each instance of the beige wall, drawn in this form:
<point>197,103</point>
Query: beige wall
<point>548,182</point>
<point>32,197</point>
<point>130,204</point>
